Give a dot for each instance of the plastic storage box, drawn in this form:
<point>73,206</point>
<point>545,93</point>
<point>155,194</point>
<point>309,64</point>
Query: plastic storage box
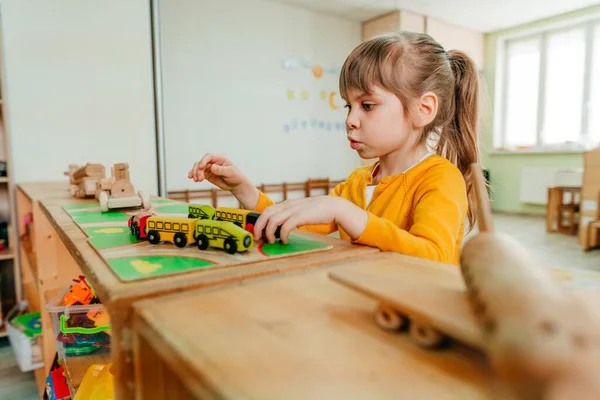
<point>79,329</point>
<point>24,331</point>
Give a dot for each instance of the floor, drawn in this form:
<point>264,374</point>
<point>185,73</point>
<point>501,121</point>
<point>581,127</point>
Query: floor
<point>14,384</point>
<point>552,249</point>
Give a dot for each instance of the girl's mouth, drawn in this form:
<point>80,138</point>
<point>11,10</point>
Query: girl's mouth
<point>354,144</point>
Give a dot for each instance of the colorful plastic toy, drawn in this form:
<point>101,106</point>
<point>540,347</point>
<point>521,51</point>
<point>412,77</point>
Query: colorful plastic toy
<point>97,383</point>
<point>56,385</point>
<point>80,293</point>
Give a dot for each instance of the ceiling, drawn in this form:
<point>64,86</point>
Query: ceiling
<point>478,15</point>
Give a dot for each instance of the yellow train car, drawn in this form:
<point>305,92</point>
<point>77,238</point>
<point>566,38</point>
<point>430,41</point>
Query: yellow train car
<point>243,218</point>
<point>223,235</point>
<point>202,211</point>
<point>171,229</point>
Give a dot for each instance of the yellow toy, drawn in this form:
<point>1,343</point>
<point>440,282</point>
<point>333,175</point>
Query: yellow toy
<point>243,218</point>
<point>172,229</point>
<point>97,384</point>
<point>202,211</point>
<point>222,234</point>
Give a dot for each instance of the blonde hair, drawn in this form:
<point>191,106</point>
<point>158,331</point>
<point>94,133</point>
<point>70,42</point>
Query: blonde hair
<point>410,64</point>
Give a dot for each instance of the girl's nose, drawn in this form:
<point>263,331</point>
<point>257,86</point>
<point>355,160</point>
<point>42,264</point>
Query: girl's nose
<point>352,122</point>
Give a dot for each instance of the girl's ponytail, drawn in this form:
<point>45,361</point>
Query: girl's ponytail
<point>461,134</point>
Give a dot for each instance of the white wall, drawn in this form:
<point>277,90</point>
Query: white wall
<point>79,87</point>
<point>225,89</point>
<point>455,37</point>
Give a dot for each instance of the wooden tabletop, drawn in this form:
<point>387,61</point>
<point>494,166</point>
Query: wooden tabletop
<point>303,336</point>
<point>110,288</point>
<point>36,191</point>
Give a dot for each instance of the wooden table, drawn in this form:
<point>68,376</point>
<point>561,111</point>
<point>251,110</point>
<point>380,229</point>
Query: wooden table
<point>118,296</point>
<point>298,336</point>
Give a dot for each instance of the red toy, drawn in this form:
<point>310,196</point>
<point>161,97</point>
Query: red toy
<point>56,385</point>
<point>137,224</point>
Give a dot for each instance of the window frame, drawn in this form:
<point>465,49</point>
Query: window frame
<point>588,23</point>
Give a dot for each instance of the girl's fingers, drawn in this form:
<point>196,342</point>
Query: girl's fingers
<point>287,227</point>
<point>274,222</point>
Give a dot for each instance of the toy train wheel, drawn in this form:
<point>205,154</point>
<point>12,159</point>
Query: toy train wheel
<point>427,336</point>
<point>250,228</point>
<point>247,241</point>
<point>180,239</point>
<point>153,237</point>
<point>202,242</point>
<point>137,232</point>
<point>389,319</point>
<point>191,216</point>
<point>230,246</point>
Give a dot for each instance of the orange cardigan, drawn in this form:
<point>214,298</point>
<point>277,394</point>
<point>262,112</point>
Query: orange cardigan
<point>420,212</point>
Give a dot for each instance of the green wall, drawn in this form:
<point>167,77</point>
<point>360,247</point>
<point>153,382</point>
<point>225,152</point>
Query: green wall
<point>505,169</point>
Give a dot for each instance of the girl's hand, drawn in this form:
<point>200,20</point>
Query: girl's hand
<point>291,214</point>
<point>219,171</point>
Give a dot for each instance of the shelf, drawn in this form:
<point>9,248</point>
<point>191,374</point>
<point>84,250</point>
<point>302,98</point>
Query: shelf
<point>7,254</point>
<point>76,367</point>
<point>4,179</point>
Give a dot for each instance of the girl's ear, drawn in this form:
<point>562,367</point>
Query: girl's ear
<point>427,107</point>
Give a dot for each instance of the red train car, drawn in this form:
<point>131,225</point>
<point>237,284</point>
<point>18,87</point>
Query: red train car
<point>137,224</point>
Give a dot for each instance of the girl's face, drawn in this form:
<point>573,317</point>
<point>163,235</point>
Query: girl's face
<point>376,123</point>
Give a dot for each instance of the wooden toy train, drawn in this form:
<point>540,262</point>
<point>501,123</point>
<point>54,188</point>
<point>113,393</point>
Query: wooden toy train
<point>226,228</point>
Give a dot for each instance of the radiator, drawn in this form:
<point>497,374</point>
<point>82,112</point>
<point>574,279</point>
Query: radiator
<point>535,182</point>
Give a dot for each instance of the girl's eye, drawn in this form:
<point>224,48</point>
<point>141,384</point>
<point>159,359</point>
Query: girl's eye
<point>368,106</point>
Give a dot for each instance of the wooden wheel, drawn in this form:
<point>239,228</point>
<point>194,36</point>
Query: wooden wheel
<point>145,196</point>
<point>103,199</point>
<point>389,319</point>
<point>427,336</point>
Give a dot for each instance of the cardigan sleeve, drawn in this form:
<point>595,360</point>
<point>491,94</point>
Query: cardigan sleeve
<point>265,201</point>
<point>439,210</point>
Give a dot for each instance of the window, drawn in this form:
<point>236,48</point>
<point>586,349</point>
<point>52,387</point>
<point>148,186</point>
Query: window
<point>175,226</point>
<point>549,89</point>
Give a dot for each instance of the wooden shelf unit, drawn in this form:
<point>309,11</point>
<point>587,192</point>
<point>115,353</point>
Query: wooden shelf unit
<point>42,279</point>
<point>9,258</point>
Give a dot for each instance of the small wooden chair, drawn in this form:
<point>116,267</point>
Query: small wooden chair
<point>557,209</point>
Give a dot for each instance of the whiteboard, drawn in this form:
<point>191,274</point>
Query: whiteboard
<point>256,81</point>
<point>79,87</point>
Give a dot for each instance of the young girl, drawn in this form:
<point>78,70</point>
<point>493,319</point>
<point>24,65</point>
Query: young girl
<point>402,91</point>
